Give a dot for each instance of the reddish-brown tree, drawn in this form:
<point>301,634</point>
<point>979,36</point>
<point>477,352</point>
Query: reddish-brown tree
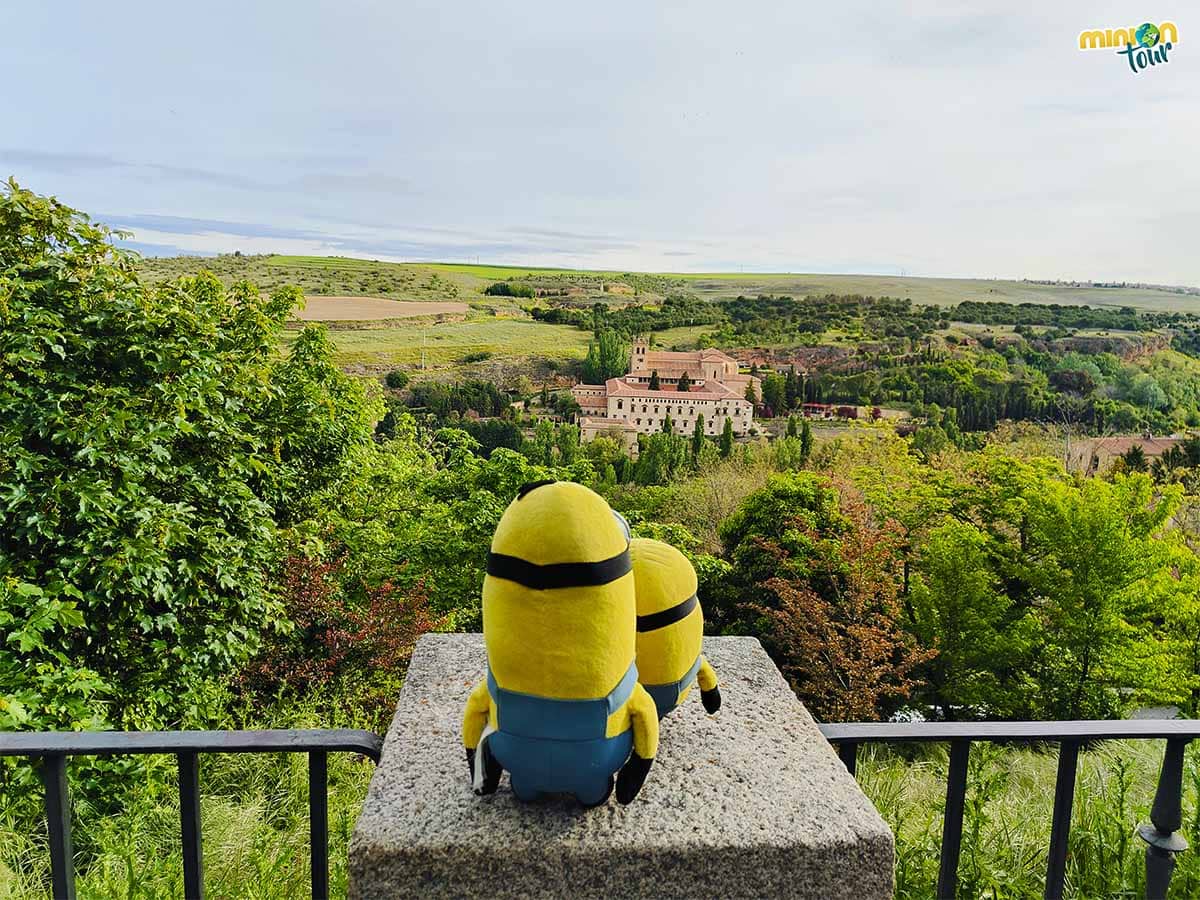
<point>360,645</point>
<point>836,633</point>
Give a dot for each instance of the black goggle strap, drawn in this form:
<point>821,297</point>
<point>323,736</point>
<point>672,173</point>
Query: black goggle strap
<point>559,575</point>
<point>666,617</point>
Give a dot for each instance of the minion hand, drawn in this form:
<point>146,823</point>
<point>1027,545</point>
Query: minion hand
<point>491,771</point>
<point>711,700</point>
<point>631,778</point>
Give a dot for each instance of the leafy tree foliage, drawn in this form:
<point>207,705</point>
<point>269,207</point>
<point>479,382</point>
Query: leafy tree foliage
<point>806,442</point>
<point>727,438</point>
<point>151,439</point>
<point>607,357</point>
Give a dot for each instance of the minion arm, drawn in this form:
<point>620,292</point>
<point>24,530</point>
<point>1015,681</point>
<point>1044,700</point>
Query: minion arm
<point>710,695</point>
<point>644,721</point>
<point>475,718</point>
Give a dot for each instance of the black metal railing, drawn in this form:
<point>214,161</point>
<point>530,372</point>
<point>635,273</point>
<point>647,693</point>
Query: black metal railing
<point>51,749</point>
<point>1161,834</point>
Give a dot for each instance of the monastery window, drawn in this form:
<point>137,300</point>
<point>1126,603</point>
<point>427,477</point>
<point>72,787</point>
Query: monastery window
<point>620,404</point>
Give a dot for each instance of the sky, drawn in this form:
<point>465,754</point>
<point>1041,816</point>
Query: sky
<point>908,138</point>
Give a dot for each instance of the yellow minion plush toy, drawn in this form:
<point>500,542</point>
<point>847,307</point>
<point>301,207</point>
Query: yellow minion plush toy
<point>670,627</point>
<point>561,708</point>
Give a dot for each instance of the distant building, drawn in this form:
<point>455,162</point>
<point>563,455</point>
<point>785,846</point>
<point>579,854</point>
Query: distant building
<point>1095,456</point>
<point>625,407</point>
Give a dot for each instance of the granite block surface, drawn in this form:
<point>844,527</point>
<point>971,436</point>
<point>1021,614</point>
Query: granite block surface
<point>751,802</point>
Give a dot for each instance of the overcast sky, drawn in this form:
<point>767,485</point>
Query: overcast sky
<point>695,136</point>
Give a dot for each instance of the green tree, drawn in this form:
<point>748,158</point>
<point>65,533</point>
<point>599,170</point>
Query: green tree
<point>607,357</point>
<point>791,388</point>
<point>697,437</point>
<point>727,438</point>
<point>791,427</point>
<point>1135,459</point>
<point>1098,563</point>
<point>668,424</point>
<point>146,453</point>
<point>806,442</point>
<point>541,448</point>
<point>957,604</point>
<point>566,440</point>
<point>773,393</point>
<point>655,385</point>
<point>660,457</point>
<point>750,395</point>
<point>685,383</point>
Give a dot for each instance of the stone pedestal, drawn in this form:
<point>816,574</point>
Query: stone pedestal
<point>751,802</point>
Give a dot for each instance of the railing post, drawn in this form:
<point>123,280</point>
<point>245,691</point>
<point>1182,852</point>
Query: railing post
<point>318,822</point>
<point>1161,834</point>
<point>956,794</point>
<point>189,815</point>
<point>848,752</point>
<point>58,826</point>
<point>1060,825</point>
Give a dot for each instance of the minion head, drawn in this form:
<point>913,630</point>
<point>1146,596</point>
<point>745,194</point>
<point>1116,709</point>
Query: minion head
<point>554,525</point>
<point>664,577</point>
<point>558,601</point>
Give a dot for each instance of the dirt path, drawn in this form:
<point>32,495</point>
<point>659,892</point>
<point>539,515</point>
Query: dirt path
<point>345,309</point>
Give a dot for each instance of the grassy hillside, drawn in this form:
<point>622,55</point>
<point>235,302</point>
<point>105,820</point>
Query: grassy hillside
<point>497,326</point>
<point>442,281</point>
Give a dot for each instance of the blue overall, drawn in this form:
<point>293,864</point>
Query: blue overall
<point>666,696</point>
<point>560,746</point>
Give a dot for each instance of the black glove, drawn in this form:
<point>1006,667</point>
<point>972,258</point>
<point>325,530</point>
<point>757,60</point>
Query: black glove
<point>631,777</point>
<point>711,700</point>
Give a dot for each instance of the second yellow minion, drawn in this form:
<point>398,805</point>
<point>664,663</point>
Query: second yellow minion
<point>670,628</point>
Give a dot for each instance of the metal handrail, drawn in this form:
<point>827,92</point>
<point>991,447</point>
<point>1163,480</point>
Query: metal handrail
<point>1161,834</point>
<point>53,748</point>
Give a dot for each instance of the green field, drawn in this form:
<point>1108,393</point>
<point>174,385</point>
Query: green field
<point>445,344</point>
<point>483,331</point>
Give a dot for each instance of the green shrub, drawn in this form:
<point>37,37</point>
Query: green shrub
<point>506,289</point>
<point>396,379</point>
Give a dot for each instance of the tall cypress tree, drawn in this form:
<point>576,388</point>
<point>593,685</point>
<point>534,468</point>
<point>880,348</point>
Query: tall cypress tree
<point>791,388</point>
<point>698,437</point>
<point>806,442</point>
<point>654,382</point>
<point>727,439</point>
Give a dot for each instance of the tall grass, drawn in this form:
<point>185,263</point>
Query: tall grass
<point>1006,823</point>
<point>255,823</point>
<point>254,813</point>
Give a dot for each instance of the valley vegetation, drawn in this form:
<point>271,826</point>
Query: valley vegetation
<point>201,529</point>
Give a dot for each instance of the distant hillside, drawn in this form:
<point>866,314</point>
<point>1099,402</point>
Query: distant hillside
<point>450,281</point>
